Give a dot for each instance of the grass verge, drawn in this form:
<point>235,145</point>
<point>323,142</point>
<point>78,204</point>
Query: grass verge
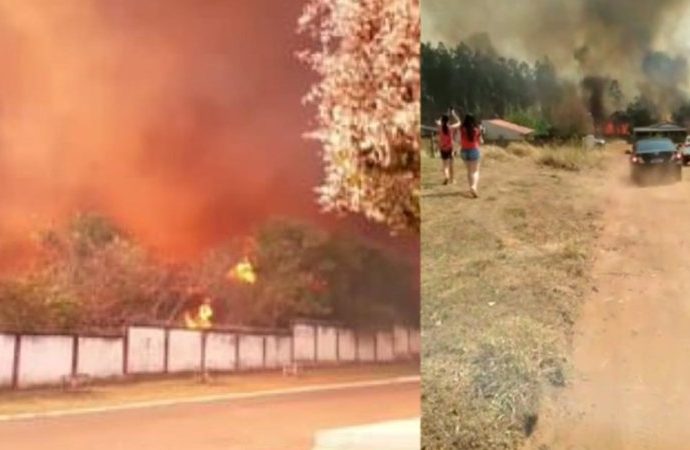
<point>502,279</point>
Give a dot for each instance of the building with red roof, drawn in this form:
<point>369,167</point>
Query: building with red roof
<point>501,130</point>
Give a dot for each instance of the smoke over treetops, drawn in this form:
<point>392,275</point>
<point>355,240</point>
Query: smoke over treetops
<point>180,119</point>
<point>639,44</point>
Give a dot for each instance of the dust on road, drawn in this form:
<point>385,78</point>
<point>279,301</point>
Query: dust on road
<point>631,347</point>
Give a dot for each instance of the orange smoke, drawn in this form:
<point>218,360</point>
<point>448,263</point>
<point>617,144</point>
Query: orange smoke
<point>180,119</point>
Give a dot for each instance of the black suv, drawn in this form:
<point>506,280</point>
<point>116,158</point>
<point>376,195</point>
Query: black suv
<point>655,158</point>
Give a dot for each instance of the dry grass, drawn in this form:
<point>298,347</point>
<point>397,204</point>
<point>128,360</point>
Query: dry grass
<point>523,149</point>
<point>496,153</point>
<point>502,278</point>
<point>43,400</point>
<point>571,158</point>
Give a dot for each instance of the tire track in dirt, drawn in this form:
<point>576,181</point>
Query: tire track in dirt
<point>631,345</point>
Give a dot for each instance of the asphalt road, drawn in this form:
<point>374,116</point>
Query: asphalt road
<point>269,423</point>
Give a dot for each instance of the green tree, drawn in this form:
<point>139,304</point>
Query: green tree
<point>306,272</point>
<point>641,112</point>
<point>287,263</point>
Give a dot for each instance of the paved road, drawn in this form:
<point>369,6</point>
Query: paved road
<point>281,422</point>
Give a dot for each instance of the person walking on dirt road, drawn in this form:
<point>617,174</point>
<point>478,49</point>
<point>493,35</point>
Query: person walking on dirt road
<point>445,144</point>
<point>470,138</point>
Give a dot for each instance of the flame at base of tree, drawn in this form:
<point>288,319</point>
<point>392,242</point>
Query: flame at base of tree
<point>368,105</point>
<point>243,272</point>
<point>201,319</point>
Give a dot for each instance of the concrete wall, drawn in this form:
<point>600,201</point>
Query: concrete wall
<point>44,359</point>
<point>366,347</point>
<point>384,346</point>
<point>326,344</point>
<point>415,342</point>
<point>6,359</point>
<point>271,352</point>
<point>220,351</point>
<point>347,345</point>
<point>304,336</point>
<point>146,353</point>
<point>184,351</point>
<point>100,357</point>
<point>284,350</point>
<point>401,342</point>
<point>251,351</point>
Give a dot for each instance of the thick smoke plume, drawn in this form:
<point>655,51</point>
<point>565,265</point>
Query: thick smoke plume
<point>595,88</point>
<point>639,44</point>
<point>180,119</point>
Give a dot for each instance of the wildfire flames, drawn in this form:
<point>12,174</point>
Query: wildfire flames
<point>201,318</point>
<point>243,272</point>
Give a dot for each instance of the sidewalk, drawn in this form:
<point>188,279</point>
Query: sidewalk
<point>397,435</point>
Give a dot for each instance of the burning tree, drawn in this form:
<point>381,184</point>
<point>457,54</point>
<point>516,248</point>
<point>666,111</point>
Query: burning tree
<point>92,275</point>
<point>301,271</point>
<point>368,105</point>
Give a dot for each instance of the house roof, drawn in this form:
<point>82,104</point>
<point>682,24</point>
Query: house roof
<point>660,127</point>
<point>510,126</point>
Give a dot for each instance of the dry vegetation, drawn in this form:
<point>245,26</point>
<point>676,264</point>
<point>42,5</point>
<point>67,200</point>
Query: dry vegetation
<point>501,281</point>
<point>571,157</point>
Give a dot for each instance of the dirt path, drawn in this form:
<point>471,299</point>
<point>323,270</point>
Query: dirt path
<point>631,387</point>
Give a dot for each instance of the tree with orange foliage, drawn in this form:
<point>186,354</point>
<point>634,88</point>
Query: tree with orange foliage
<point>368,95</point>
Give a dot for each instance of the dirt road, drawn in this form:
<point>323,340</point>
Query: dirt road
<point>631,387</point>
<point>283,422</point>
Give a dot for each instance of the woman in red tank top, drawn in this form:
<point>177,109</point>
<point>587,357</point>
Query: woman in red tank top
<point>445,144</point>
<point>470,139</point>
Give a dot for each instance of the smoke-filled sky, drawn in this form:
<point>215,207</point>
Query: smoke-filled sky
<point>644,44</point>
<point>182,119</point>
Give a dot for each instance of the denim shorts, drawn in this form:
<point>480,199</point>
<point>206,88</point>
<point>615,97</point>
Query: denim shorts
<point>471,154</point>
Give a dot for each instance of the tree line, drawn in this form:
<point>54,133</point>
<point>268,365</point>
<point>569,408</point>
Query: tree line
<point>531,94</point>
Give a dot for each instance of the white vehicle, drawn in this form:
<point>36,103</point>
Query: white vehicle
<point>590,142</point>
